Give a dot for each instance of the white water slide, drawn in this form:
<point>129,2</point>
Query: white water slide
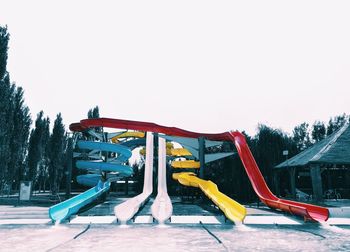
<point>126,210</point>
<point>162,207</point>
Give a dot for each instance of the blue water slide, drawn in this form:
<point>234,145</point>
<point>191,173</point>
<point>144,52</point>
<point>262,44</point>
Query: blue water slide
<point>63,210</point>
<point>71,206</point>
<point>123,151</point>
<point>102,166</point>
<point>89,179</point>
<point>132,144</point>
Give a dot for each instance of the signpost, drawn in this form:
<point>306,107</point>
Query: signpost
<point>25,190</point>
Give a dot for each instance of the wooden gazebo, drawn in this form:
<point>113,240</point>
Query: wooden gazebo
<point>329,155</point>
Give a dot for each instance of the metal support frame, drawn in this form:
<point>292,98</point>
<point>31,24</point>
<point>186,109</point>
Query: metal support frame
<point>315,172</point>
<point>201,150</point>
<point>155,164</point>
<point>69,167</point>
<point>292,181</point>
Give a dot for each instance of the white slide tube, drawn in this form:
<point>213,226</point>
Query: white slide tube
<point>162,207</point>
<point>126,210</point>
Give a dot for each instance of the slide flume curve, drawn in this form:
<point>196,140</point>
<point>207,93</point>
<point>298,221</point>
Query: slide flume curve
<point>231,208</point>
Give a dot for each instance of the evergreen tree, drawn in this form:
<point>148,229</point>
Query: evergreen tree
<point>94,113</point>
<point>19,140</point>
<point>4,39</point>
<point>301,136</point>
<point>57,146</point>
<point>269,147</point>
<point>37,151</point>
<point>7,91</point>
<point>336,123</point>
<point>318,131</point>
<point>14,123</point>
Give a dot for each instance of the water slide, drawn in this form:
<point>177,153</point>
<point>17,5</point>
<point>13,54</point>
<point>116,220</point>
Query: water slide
<point>127,134</point>
<point>310,212</point>
<point>232,209</point>
<point>126,210</point>
<point>179,152</point>
<point>162,207</point>
<point>64,210</point>
<point>186,164</point>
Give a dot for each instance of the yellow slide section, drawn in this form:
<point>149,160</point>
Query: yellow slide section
<point>136,134</point>
<point>186,164</point>
<point>232,209</point>
<point>177,152</point>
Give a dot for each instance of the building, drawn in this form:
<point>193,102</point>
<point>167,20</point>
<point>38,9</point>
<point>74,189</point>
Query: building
<point>324,167</point>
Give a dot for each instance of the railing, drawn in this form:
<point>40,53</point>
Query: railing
<point>332,194</point>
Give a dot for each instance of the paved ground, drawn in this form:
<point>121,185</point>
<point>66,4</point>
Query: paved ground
<point>195,211</point>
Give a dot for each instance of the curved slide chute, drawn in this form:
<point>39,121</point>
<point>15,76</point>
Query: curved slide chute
<point>162,207</point>
<point>186,164</point>
<point>231,208</point>
<point>307,211</point>
<point>127,134</point>
<point>65,209</point>
<point>126,210</point>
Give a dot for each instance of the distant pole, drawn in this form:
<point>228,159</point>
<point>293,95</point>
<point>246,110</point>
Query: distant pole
<point>291,172</point>
<point>69,167</point>
<point>201,142</point>
<point>105,155</point>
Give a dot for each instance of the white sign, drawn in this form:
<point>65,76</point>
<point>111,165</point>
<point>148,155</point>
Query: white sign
<point>25,190</point>
<point>285,153</point>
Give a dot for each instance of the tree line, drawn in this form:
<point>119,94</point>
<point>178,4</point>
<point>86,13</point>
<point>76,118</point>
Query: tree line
<point>267,147</point>
<point>34,153</point>
<point>27,154</point>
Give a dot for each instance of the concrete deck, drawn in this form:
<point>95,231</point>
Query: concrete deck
<point>183,213</point>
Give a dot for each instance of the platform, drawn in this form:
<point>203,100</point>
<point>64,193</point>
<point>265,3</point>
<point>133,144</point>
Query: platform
<point>183,213</point>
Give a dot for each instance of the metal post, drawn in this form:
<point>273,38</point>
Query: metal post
<point>316,179</point>
<point>201,142</point>
<point>292,181</point>
<point>276,181</point>
<point>155,164</point>
<point>105,155</point>
<point>69,167</point>
<point>126,186</point>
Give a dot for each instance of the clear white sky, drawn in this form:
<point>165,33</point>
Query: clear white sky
<point>207,66</point>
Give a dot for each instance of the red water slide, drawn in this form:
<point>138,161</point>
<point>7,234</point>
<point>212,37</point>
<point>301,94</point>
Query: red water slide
<point>309,212</point>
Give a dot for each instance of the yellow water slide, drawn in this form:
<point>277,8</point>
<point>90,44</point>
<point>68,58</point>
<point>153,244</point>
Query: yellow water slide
<point>127,134</point>
<point>186,164</point>
<point>171,151</point>
<point>232,209</point>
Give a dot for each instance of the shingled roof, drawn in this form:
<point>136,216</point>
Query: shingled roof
<point>334,149</point>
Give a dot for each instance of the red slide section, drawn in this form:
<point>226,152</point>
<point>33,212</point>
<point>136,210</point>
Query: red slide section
<point>309,212</point>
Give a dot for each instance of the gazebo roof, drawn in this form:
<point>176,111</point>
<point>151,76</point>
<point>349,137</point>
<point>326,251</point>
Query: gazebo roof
<point>334,149</point>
